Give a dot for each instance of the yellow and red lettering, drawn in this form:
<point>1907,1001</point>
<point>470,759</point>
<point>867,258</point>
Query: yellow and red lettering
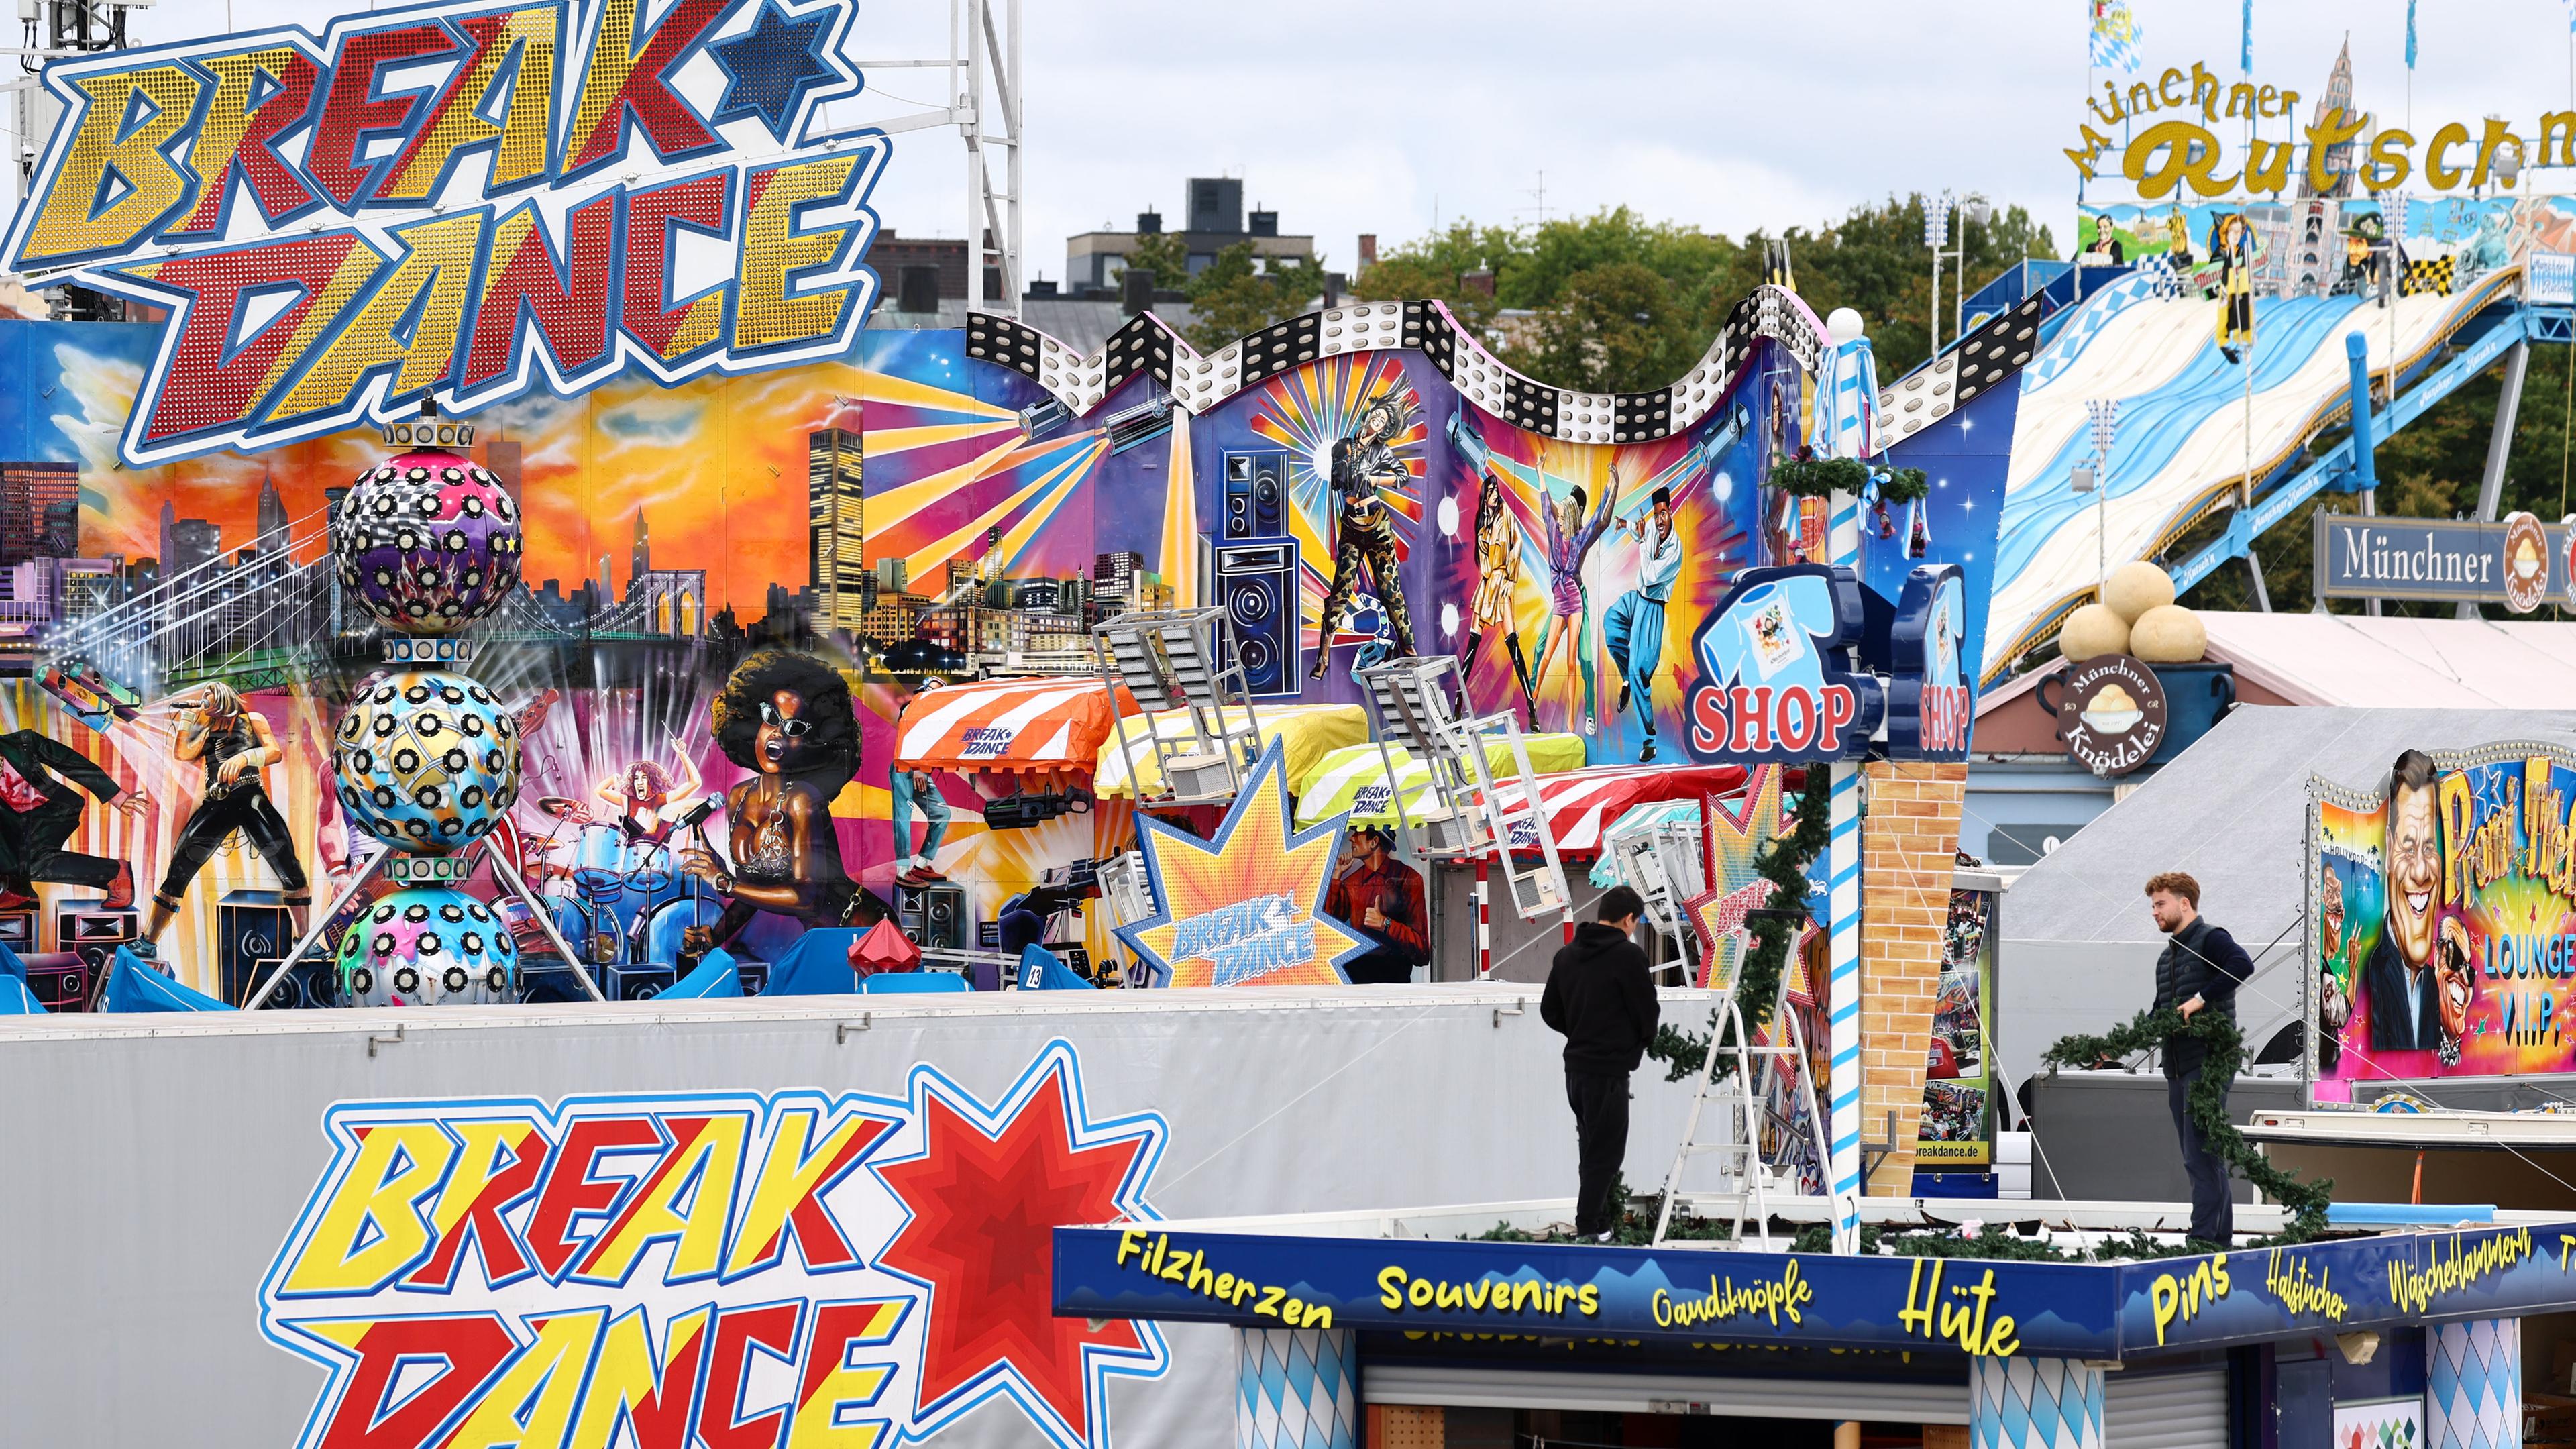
<point>766,314</point>
<point>832,1385</point>
<point>653,1393</point>
<point>238,138</point>
<point>456,121</point>
<point>410,322</point>
<point>787,1192</point>
<point>567,301</point>
<point>771,1326</point>
<point>371,1228</point>
<point>216,379</point>
<point>703,1165</point>
<point>701,205</point>
<point>353,114</point>
<point>568,1191</point>
<point>116,184</point>
<point>533,1398</point>
<point>618,81</point>
<point>497,1168</point>
<point>469,1345</point>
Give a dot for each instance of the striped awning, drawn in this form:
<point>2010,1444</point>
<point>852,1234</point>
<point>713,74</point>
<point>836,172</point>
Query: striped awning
<point>1005,724</point>
<point>1581,804</point>
<point>1354,778</point>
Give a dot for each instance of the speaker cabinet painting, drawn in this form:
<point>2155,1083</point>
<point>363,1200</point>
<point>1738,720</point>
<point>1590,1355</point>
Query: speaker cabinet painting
<point>1258,582</point>
<point>933,916</point>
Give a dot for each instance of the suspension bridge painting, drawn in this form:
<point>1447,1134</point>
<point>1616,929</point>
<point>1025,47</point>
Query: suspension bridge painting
<point>658,522</point>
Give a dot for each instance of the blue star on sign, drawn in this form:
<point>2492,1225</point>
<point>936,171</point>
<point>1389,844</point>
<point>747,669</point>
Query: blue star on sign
<point>769,70</point>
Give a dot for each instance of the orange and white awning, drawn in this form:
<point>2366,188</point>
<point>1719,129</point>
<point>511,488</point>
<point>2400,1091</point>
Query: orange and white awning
<point>1005,724</point>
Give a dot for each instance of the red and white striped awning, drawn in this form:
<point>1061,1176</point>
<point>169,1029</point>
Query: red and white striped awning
<point>1005,724</point>
<point>1580,804</point>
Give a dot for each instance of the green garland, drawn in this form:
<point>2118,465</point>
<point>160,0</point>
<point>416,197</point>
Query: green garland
<point>1783,862</point>
<point>2307,1201</point>
<point>1823,477</point>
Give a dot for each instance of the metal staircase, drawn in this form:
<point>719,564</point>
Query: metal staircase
<point>1409,705</point>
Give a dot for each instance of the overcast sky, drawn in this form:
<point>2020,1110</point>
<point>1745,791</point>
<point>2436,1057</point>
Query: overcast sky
<point>1350,116</point>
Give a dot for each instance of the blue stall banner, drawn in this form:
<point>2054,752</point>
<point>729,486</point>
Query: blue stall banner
<point>2440,559</point>
<point>1955,1305</point>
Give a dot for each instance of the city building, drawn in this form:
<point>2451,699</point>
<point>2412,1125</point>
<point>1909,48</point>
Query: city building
<point>921,272</point>
<point>665,601</point>
<point>836,526</point>
<point>502,456</point>
<point>892,573</point>
<point>273,523</point>
<point>39,511</point>
<point>1095,260</point>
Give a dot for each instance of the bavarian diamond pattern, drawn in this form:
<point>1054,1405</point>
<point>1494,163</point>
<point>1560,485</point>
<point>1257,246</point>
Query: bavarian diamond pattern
<point>2034,1403</point>
<point>2473,1395</point>
<point>1298,1388</point>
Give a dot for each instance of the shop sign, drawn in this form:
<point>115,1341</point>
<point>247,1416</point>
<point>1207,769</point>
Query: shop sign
<point>1777,682</point>
<point>795,1267</point>
<point>457,202</point>
<point>2442,912</point>
<point>2111,713</point>
<point>2518,561</point>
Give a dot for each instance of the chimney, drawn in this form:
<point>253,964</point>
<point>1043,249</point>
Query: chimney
<point>1368,250</point>
<point>1333,283</point>
<point>1265,223</point>
<point>1136,290</point>
<point>1480,280</point>
<point>1149,223</point>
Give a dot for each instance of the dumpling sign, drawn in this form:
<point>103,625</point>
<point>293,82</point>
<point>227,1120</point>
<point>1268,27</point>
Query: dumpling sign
<point>459,202</point>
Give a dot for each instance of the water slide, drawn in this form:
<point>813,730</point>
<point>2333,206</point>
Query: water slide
<point>2182,440</point>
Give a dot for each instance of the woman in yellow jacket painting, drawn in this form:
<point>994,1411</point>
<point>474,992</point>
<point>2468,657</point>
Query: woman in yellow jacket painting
<point>2231,246</point>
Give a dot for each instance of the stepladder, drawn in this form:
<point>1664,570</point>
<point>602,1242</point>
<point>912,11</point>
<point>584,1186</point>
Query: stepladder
<point>1755,1112</point>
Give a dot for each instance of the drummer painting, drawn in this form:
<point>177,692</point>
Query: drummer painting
<point>788,719</point>
<point>645,791</point>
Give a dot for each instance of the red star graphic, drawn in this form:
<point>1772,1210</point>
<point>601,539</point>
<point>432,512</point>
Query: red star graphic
<point>984,1211</point>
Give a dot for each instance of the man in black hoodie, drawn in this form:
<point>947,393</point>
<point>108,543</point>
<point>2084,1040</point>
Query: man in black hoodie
<point>1599,995</point>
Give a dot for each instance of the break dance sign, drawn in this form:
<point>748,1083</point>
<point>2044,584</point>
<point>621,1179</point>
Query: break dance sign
<point>459,202</point>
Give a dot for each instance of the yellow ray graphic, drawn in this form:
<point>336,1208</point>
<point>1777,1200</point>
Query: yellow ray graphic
<point>1180,549</point>
<point>886,388</point>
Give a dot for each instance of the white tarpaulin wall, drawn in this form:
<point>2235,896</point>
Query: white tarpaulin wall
<point>157,1167</point>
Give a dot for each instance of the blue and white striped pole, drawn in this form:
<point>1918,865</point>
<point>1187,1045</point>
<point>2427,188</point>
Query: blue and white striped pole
<point>1842,909</point>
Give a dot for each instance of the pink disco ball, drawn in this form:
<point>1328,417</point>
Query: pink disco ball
<point>427,542</point>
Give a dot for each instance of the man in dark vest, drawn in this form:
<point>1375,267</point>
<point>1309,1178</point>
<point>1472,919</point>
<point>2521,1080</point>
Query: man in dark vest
<point>2199,971</point>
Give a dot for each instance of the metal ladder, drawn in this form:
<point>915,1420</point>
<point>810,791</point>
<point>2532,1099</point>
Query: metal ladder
<point>1740,1110</point>
<point>1409,704</point>
<point>1183,660</point>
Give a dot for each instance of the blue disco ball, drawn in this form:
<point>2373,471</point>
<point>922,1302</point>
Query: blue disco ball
<point>427,945</point>
<point>427,761</point>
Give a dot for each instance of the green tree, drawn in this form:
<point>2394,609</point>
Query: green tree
<point>1457,266</point>
<point>1235,294</point>
<point>1616,327</point>
<point>1167,257</point>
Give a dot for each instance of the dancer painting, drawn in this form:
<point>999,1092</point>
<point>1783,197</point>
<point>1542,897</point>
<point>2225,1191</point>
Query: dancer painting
<point>234,744</point>
<point>1569,540</point>
<point>788,719</point>
<point>1498,573</point>
<point>1364,533</point>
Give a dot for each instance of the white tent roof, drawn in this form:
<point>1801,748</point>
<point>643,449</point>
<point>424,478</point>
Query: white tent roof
<point>2360,662</point>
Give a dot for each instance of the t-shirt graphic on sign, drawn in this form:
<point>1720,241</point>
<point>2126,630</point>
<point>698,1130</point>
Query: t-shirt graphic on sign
<point>1774,641</point>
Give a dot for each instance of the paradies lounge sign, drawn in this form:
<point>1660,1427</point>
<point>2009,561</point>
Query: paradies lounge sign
<point>788,1270</point>
<point>2187,128</point>
<point>2442,916</point>
<point>1559,1292</point>
<point>457,201</point>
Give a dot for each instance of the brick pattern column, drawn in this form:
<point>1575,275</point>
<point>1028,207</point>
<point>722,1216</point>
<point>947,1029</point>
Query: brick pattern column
<point>1909,844</point>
